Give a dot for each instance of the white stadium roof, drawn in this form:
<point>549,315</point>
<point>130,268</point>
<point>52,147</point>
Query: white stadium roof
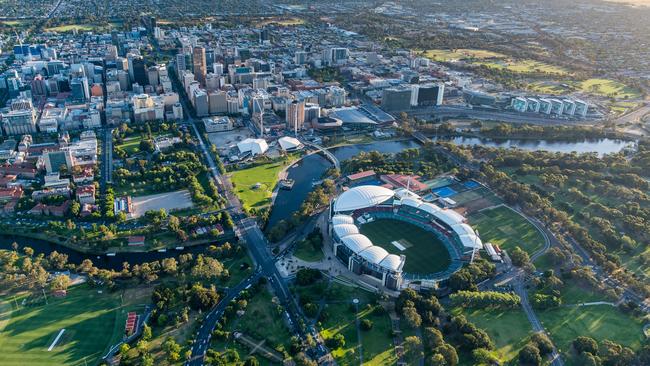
<point>411,202</point>
<point>429,208</point>
<point>342,219</point>
<point>392,262</point>
<point>356,242</point>
<point>449,217</point>
<point>374,254</point>
<point>343,230</point>
<point>362,197</point>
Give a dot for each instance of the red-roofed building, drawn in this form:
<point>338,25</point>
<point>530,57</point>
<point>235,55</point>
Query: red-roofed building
<point>11,194</point>
<point>23,170</point>
<point>86,194</point>
<point>137,240</point>
<point>404,181</point>
<point>361,176</point>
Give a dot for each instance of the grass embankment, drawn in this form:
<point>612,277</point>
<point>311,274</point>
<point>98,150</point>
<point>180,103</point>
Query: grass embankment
<point>92,321</point>
<point>254,186</point>
<point>507,229</point>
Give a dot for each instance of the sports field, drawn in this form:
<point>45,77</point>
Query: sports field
<point>92,322</point>
<point>424,252</point>
<point>506,228</point>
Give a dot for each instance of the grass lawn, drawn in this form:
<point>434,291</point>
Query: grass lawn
<point>71,27</point>
<point>341,319</point>
<point>599,322</point>
<point>607,88</point>
<point>525,67</point>
<point>261,321</point>
<point>426,254</point>
<point>460,54</point>
<point>238,268</point>
<point>92,322</point>
<point>506,228</point>
<point>131,145</point>
<point>245,181</point>
<point>377,343</point>
<point>509,329</point>
<point>306,252</point>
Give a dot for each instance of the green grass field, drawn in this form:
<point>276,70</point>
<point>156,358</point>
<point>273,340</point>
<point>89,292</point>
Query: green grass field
<point>460,54</point>
<point>71,27</point>
<point>376,343</point>
<point>131,145</point>
<point>608,88</point>
<point>599,322</point>
<point>509,329</point>
<point>506,228</point>
<point>306,252</point>
<point>525,67</point>
<point>427,253</point>
<point>261,321</point>
<point>245,181</point>
<point>92,322</point>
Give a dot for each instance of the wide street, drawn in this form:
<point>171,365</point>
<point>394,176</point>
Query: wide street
<point>250,233</point>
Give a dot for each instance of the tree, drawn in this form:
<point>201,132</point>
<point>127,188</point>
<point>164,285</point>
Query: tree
<point>412,317</point>
<point>585,344</point>
<point>251,361</point>
<point>485,357</point>
<point>366,324</point>
<point>60,282</point>
<point>529,355</point>
<point>412,348</point>
<point>449,353</point>
<point>432,337</point>
<point>519,257</point>
<point>336,342</point>
<point>146,332</point>
<point>75,208</point>
<point>543,343</point>
<point>172,349</point>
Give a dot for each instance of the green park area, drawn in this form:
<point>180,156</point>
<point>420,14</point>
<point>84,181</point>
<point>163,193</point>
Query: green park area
<point>262,321</point>
<point>525,67</point>
<point>441,55</point>
<point>507,229</point>
<point>339,316</point>
<point>71,27</point>
<point>508,328</point>
<point>600,322</point>
<point>308,251</point>
<point>254,186</point>
<point>424,252</point>
<point>608,88</point>
<point>30,327</point>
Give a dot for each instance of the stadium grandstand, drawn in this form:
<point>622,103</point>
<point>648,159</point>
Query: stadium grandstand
<point>364,204</point>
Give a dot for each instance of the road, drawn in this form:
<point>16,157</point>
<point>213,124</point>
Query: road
<point>459,111</point>
<point>249,232</point>
<point>107,153</point>
<point>202,339</point>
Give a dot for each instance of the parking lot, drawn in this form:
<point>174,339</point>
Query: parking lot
<point>226,141</point>
<point>169,201</point>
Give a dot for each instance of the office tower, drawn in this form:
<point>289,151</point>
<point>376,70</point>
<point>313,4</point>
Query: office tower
<point>217,68</point>
<point>137,69</point>
<point>181,65</point>
<point>295,113</point>
<point>199,64</point>
<point>396,99</point>
<point>153,76</point>
<point>300,57</point>
<point>80,89</point>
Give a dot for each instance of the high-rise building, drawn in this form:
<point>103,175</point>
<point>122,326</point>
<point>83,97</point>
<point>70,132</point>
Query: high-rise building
<point>181,64</point>
<point>137,69</point>
<point>430,94</point>
<point>295,115</point>
<point>396,99</point>
<point>21,118</point>
<point>199,64</point>
<point>335,55</point>
<point>301,57</point>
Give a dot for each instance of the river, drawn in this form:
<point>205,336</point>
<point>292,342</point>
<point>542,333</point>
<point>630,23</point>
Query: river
<point>99,261</point>
<point>304,172</point>
<point>312,167</point>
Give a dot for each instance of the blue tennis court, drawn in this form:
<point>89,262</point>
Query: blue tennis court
<point>470,184</point>
<point>444,192</point>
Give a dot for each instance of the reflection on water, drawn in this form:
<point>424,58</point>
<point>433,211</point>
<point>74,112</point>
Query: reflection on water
<point>313,166</point>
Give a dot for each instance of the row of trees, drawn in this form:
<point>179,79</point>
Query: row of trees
<point>485,299</point>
